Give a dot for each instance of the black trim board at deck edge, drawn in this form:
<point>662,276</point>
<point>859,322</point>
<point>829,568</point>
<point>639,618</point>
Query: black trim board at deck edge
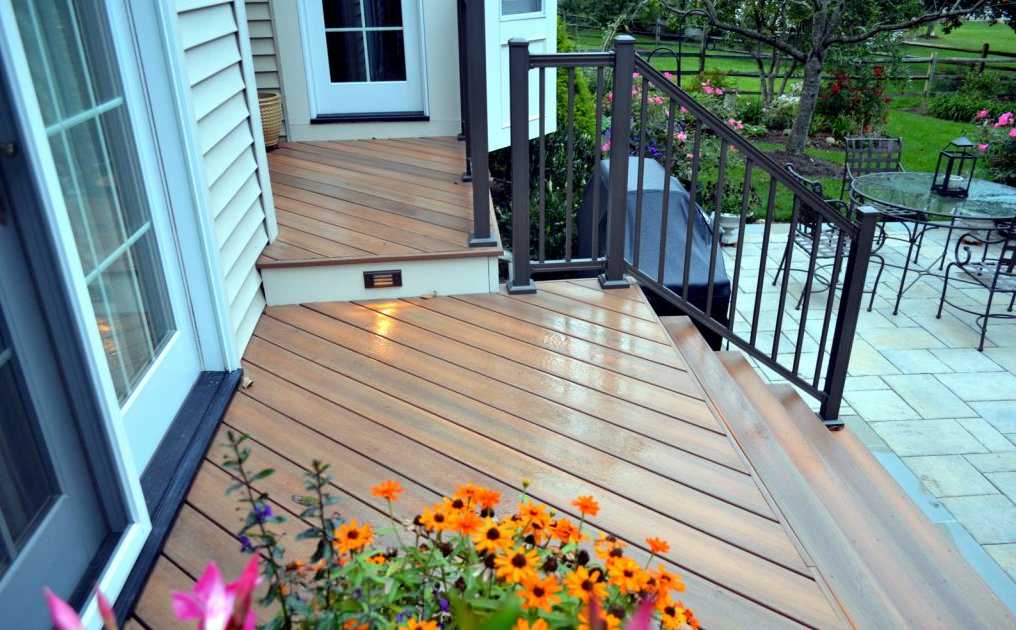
<point>168,477</point>
<point>327,119</point>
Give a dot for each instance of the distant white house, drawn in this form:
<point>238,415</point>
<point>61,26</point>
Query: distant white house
<point>135,201</point>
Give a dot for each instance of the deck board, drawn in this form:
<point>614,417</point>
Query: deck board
<point>352,201</point>
<point>578,396</point>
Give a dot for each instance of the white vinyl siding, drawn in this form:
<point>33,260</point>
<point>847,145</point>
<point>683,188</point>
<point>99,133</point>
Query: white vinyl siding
<point>225,133</point>
<point>261,29</point>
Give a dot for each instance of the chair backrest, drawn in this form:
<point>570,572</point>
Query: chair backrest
<point>872,155</point>
<point>807,217</point>
<point>1007,257</point>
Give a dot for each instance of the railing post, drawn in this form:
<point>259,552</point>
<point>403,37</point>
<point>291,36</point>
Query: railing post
<point>846,318</point>
<point>477,124</point>
<point>460,12</point>
<point>519,279</point>
<point>617,189</point>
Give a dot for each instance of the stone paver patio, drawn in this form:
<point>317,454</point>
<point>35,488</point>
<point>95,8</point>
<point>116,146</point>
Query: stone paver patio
<point>940,415</point>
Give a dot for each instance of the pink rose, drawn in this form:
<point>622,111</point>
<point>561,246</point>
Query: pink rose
<point>1004,120</point>
<point>681,136</point>
<point>1012,132</point>
<point>668,76</point>
<point>982,147</point>
<point>684,110</point>
<point>718,92</point>
<point>605,146</point>
<point>981,115</point>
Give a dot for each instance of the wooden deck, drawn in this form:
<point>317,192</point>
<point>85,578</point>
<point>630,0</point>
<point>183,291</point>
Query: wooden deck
<point>370,200</point>
<point>578,390</point>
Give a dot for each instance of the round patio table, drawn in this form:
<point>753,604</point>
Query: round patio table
<point>907,199</point>
<point>911,193</point>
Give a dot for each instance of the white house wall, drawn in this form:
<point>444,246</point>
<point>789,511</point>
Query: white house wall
<point>441,61</point>
<point>261,28</point>
<point>220,74</point>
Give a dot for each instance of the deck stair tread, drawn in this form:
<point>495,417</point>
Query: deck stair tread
<point>361,201</point>
<point>885,563</point>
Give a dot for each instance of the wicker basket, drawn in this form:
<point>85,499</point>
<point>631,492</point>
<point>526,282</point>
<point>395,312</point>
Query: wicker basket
<point>271,117</point>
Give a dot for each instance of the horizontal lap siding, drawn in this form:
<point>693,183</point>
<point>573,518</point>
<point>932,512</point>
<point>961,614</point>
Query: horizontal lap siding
<point>212,63</point>
<point>262,45</point>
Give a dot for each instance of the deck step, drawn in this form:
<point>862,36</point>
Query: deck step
<point>843,506</point>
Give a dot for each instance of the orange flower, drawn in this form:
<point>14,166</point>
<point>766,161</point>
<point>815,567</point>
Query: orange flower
<point>455,504</point>
<point>351,537</point>
<point>608,548</point>
<point>415,624</point>
<point>583,583</point>
<point>466,523</point>
<point>530,511</point>
<point>672,616</point>
<point>587,505</point>
<point>388,490</point>
<point>493,536</point>
<point>468,491</point>
<point>354,624</point>
<point>377,559</point>
<point>488,499</point>
<point>658,545</point>
<point>664,581</point>
<point>542,594</point>
<point>627,575</point>
<point>523,624</point>
<point>516,565</point>
<point>566,531</point>
<point>436,518</point>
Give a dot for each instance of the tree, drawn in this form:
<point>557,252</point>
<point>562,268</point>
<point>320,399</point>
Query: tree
<point>808,31</point>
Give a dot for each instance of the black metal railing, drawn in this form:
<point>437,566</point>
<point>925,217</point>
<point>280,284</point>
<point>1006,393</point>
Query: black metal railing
<point>807,341</point>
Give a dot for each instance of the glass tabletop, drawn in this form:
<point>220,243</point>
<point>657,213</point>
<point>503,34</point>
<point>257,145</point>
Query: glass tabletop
<point>912,192</point>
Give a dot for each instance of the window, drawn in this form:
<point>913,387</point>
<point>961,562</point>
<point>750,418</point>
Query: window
<point>74,73</point>
<point>516,7</point>
<point>365,40</point>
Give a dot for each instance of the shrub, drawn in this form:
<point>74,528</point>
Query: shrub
<point>997,136</point>
<point>854,101</point>
<point>978,91</point>
<point>780,115</point>
<point>751,111</point>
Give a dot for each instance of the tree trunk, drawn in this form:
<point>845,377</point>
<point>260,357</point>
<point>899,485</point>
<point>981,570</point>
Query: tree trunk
<point>806,106</point>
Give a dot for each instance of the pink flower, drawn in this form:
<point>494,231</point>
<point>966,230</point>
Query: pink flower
<point>1012,132</point>
<point>1004,120</point>
<point>981,115</point>
<point>684,110</point>
<point>63,616</point>
<point>681,136</point>
<point>217,605</point>
<point>634,75</point>
<point>209,601</point>
<point>718,91</point>
<point>106,612</point>
<point>610,97</point>
<point>668,76</point>
<point>605,146</point>
<point>708,89</point>
<point>982,147</point>
<point>731,122</point>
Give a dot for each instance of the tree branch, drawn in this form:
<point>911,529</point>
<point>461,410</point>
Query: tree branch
<point>954,12</point>
<point>708,11</point>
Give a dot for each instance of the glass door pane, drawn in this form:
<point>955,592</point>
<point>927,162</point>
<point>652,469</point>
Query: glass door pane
<point>86,120</point>
<point>365,40</point>
<point>27,483</point>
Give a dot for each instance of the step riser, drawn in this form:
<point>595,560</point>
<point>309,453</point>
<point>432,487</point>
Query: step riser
<point>345,282</point>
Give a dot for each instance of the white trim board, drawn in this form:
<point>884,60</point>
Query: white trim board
<point>342,283</point>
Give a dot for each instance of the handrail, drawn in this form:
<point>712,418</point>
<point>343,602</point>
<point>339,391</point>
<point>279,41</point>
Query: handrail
<point>848,242</point>
<point>721,129</point>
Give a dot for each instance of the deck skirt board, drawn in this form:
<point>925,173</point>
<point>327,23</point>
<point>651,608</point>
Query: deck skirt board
<point>574,394</point>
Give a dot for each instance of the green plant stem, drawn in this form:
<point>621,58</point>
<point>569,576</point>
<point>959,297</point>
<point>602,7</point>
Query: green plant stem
<point>325,538</point>
<point>276,575</point>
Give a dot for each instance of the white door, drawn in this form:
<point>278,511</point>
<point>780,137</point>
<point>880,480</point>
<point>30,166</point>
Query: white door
<point>536,22</point>
<point>111,206</point>
<point>364,56</point>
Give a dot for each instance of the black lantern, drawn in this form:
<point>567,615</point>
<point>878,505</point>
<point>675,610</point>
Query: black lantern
<point>955,168</point>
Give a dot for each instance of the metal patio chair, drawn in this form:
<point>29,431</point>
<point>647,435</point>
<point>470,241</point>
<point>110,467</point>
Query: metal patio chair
<point>995,271</point>
<point>864,155</point>
<point>804,239</point>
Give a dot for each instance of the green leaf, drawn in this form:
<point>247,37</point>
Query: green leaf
<point>503,619</point>
<point>261,474</point>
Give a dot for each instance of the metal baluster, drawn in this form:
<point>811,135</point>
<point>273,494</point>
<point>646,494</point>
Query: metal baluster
<point>542,180</point>
<point>640,184</point>
<point>717,211</point>
<point>476,128</point>
<point>519,280</point>
<point>846,319</point>
<point>668,162</point>
<point>738,253</point>
<point>805,301</point>
<point>692,207</point>
<point>569,167</point>
<point>595,252</point>
<point>794,218</point>
<point>827,317</point>
<point>766,233</point>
